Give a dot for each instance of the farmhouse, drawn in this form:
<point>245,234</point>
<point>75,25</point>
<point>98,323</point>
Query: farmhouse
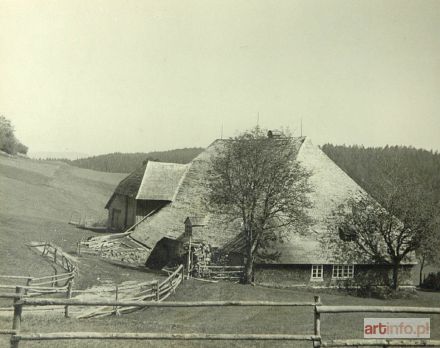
<point>176,208</point>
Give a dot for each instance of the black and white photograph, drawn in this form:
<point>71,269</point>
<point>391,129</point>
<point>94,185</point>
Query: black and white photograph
<point>219,173</point>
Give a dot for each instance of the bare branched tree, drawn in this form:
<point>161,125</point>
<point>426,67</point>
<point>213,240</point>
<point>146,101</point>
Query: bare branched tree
<point>384,231</point>
<point>258,180</point>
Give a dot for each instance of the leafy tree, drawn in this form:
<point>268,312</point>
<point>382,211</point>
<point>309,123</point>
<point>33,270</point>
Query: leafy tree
<point>258,180</point>
<point>8,142</point>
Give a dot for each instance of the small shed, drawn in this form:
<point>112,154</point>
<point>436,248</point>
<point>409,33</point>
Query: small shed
<point>192,223</point>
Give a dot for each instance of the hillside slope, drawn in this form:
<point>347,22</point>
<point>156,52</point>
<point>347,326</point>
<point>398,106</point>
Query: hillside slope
<point>37,199</point>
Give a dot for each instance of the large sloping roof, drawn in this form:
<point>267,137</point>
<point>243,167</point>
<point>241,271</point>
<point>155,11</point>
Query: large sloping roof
<point>331,187</point>
<point>160,181</point>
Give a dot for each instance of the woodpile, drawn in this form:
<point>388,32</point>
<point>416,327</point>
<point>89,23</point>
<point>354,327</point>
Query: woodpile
<point>117,247</point>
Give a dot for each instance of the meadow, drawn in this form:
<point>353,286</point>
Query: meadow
<point>37,199</point>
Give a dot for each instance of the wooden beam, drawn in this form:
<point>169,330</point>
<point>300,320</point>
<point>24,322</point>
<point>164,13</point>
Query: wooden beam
<point>160,336</point>
<point>102,302</point>
<point>381,342</point>
<point>376,309</point>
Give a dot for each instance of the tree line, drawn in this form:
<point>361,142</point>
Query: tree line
<point>371,167</point>
<point>127,162</point>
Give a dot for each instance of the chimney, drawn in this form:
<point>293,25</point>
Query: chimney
<point>274,133</point>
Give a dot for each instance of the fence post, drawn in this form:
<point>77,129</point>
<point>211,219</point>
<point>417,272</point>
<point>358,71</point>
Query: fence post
<point>157,291</point>
<point>54,278</point>
<point>116,297</point>
<point>183,273</point>
<point>16,321</point>
<point>189,257</point>
<point>44,249</point>
<point>55,255</point>
<point>28,283</point>
<point>317,321</point>
<point>68,296</point>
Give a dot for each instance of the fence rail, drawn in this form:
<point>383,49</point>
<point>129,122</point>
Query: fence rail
<point>377,309</point>
<point>160,336</point>
<point>56,283</point>
<point>143,298</point>
<point>219,272</point>
<point>21,301</point>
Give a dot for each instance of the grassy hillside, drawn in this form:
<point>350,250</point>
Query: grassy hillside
<point>127,162</point>
<point>37,199</point>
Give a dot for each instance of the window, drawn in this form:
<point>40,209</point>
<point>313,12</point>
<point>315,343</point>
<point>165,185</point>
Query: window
<point>343,271</point>
<point>317,272</point>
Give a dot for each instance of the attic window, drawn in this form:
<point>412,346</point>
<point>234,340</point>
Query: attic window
<point>343,271</point>
<point>317,272</point>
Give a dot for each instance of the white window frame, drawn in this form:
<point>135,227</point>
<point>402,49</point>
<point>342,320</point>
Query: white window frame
<point>341,271</point>
<point>317,273</point>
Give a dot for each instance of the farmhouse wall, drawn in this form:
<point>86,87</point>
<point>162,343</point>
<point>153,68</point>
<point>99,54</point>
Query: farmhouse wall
<point>300,275</point>
<point>117,213</point>
<point>131,212</point>
<point>121,212</point>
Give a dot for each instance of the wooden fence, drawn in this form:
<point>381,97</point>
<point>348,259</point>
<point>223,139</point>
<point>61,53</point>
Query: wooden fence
<point>56,283</point>
<point>148,291</point>
<point>219,272</point>
<point>315,338</point>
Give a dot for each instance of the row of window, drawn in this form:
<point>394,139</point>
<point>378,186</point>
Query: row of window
<point>339,272</point>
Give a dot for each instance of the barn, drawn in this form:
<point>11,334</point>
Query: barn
<point>302,260</point>
<point>146,190</point>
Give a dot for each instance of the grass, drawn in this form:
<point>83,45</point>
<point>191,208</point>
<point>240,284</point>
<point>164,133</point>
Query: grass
<point>37,200</point>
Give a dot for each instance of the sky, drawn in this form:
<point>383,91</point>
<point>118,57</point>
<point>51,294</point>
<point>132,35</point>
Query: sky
<point>135,76</point>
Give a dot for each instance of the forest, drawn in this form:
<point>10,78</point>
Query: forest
<point>371,167</point>
<point>127,162</point>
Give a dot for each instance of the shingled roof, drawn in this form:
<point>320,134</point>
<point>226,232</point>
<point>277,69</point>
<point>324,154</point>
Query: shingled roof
<point>331,185</point>
<point>151,181</point>
<point>160,181</point>
<point>129,186</point>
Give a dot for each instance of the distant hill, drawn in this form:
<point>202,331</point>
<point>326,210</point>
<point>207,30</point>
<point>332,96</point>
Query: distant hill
<point>127,162</point>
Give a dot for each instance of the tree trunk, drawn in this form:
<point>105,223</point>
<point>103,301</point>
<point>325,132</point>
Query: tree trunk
<point>422,265</point>
<point>395,284</point>
<point>248,276</point>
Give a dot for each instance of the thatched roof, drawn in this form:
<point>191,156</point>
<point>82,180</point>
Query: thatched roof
<point>129,186</point>
<point>332,187</point>
<point>151,181</point>
<point>160,181</point>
